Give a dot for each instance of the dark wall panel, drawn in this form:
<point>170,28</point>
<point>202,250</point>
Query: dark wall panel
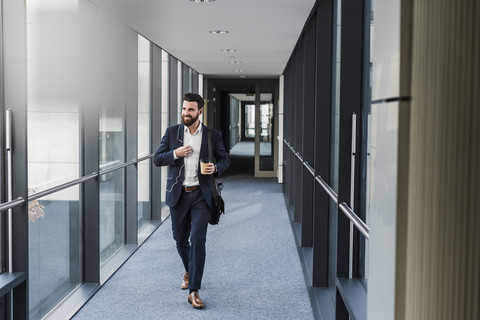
<point>309,92</point>
<point>173,90</point>
<point>299,96</point>
<point>195,83</point>
<point>186,85</point>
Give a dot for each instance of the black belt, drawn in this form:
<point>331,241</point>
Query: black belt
<point>190,188</point>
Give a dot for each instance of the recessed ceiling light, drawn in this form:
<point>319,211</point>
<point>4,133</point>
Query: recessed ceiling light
<point>228,50</point>
<point>239,70</point>
<point>235,62</point>
<point>218,31</point>
<point>202,0</point>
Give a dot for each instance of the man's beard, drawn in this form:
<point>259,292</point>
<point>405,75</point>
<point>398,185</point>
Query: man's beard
<point>189,121</point>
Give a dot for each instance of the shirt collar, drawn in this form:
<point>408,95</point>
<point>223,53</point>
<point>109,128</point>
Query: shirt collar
<point>199,129</point>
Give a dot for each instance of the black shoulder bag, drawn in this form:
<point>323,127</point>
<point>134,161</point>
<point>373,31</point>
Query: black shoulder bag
<point>218,206</point>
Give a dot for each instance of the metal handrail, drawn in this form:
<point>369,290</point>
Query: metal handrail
<point>20,201</point>
<point>146,157</point>
<point>41,194</point>
<point>108,164</point>
<point>327,188</point>
<point>299,156</point>
<point>361,226</point>
<point>309,168</point>
<point>12,204</point>
<point>72,183</point>
<point>120,166</point>
<point>357,222</point>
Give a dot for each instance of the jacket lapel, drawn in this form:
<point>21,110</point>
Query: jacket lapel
<point>179,136</point>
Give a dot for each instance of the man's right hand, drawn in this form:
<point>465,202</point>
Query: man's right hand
<point>184,151</point>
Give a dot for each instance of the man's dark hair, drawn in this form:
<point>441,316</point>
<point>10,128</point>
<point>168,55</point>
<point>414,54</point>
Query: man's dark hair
<point>193,97</point>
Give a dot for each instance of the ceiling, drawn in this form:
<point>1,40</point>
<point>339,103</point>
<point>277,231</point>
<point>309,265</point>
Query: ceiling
<point>263,32</point>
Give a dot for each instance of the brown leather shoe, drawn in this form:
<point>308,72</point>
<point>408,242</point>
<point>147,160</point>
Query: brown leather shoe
<point>185,281</point>
<point>195,301</point>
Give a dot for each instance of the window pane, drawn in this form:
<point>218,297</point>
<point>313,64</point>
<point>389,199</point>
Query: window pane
<point>143,192</point>
<point>112,213</point>
<point>55,267</point>
<point>53,141</point>
<point>165,123</point>
<point>2,184</point>
<point>266,131</point>
<point>54,234</point>
<point>53,107</point>
<point>112,185</point>
<point>143,130</point>
<point>250,121</point>
<point>334,154</point>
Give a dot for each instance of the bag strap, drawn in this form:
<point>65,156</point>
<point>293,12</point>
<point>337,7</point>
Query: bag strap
<point>210,156</point>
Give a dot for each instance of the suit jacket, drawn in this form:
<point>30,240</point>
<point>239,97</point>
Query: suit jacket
<point>173,139</point>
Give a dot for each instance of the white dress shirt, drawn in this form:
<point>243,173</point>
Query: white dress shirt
<point>192,161</point>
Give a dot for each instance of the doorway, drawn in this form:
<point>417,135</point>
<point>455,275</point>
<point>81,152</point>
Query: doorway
<point>247,114</point>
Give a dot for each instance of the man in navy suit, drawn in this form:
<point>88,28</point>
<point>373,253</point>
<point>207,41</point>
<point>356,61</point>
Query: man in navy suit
<point>189,191</point>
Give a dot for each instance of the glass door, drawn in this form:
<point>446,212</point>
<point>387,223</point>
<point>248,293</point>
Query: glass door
<point>265,131</point>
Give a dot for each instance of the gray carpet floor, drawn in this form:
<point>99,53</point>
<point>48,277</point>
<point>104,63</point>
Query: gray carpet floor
<point>252,270</point>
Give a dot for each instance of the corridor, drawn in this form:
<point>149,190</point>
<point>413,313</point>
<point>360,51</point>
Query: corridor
<point>252,270</point>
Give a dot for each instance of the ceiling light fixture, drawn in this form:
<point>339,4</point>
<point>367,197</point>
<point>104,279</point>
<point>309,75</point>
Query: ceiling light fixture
<point>228,50</point>
<point>218,31</point>
<point>242,76</point>
<point>239,70</point>
<point>202,0</point>
<point>235,62</point>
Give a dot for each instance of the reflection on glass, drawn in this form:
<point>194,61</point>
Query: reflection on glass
<point>143,169</point>
<point>234,134</point>
<point>112,153</point>
<point>143,136</point>
<point>112,213</point>
<point>54,237</point>
<point>250,121</point>
<point>54,231</point>
<point>112,150</point>
<point>53,108</point>
<point>53,143</point>
<point>334,155</point>
<point>266,132</point>
<point>364,249</point>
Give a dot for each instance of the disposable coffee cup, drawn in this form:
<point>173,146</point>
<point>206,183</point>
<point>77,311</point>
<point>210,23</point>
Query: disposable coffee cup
<point>203,165</point>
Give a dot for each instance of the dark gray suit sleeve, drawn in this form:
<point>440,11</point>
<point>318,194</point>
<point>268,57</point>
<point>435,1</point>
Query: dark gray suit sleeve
<point>221,156</point>
<point>164,156</point>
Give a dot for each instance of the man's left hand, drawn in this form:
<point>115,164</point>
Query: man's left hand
<point>209,168</point>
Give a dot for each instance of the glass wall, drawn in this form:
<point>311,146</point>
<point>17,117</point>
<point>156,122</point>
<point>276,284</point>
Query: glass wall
<point>112,185</point>
<point>327,111</point>
<point>55,255</point>
<point>266,131</point>
<point>3,184</point>
<point>335,143</point>
<point>249,121</point>
<point>53,156</point>
<point>165,124</point>
<point>144,167</point>
<point>82,73</point>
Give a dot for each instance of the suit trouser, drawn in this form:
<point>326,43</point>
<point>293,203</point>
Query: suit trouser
<point>190,218</point>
